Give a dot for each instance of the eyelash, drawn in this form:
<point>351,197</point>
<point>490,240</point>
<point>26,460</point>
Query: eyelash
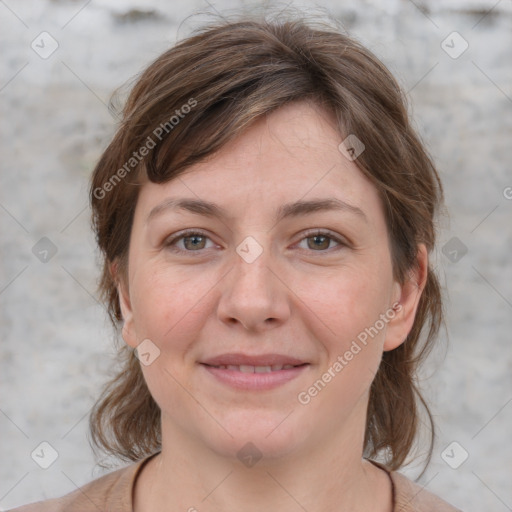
<point>170,243</point>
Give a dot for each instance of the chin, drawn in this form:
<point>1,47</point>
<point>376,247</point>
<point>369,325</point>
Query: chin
<point>260,433</point>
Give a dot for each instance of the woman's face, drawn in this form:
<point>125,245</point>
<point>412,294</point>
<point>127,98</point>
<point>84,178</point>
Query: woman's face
<point>264,279</point>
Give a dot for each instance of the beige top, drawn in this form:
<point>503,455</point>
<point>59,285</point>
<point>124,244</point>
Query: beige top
<point>114,493</point>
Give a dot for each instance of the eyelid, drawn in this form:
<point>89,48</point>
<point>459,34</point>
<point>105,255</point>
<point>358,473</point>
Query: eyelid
<point>175,237</point>
<point>339,239</point>
<point>324,232</point>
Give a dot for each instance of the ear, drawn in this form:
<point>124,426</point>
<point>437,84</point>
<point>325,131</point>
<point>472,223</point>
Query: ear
<point>407,298</point>
<point>128,330</point>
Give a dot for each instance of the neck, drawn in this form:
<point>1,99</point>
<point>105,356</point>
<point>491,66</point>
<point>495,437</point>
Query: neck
<point>195,479</point>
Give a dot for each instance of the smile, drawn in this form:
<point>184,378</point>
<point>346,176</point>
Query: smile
<point>253,378</point>
<point>245,368</point>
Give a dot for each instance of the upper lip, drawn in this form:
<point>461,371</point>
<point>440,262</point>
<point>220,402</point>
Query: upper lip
<point>237,359</point>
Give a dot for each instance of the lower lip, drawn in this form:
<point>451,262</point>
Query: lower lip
<point>255,381</point>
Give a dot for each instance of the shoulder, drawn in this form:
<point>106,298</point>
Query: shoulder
<point>111,492</point>
<point>412,497</point>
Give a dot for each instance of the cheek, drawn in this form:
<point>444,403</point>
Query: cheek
<point>345,318</point>
<point>170,307</point>
<point>346,303</point>
<point>344,314</point>
<point>168,302</point>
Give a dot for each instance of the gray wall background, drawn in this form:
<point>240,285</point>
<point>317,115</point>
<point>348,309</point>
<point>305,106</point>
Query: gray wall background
<point>56,345</point>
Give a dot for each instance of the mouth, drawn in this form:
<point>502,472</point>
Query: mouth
<point>254,373</point>
<point>245,368</point>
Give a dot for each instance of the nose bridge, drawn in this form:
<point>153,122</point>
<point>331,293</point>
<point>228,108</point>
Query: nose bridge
<point>252,295</point>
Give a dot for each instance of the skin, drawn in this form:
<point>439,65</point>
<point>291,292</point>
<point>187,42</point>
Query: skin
<point>303,296</point>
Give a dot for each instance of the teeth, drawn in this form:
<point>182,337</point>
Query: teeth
<point>262,369</point>
<point>245,368</point>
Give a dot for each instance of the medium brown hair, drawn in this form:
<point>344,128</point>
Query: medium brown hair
<point>229,74</point>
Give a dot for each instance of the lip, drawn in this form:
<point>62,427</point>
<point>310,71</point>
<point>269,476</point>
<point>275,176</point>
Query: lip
<point>237,359</point>
<point>254,381</point>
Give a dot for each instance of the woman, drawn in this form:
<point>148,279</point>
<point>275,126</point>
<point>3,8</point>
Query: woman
<point>266,214</point>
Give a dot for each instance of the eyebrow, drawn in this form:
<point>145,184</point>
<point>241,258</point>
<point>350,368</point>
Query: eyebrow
<point>296,209</point>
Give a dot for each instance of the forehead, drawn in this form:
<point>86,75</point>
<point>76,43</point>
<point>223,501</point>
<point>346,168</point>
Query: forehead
<point>287,155</point>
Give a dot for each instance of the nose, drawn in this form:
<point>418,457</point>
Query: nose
<point>253,296</point>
